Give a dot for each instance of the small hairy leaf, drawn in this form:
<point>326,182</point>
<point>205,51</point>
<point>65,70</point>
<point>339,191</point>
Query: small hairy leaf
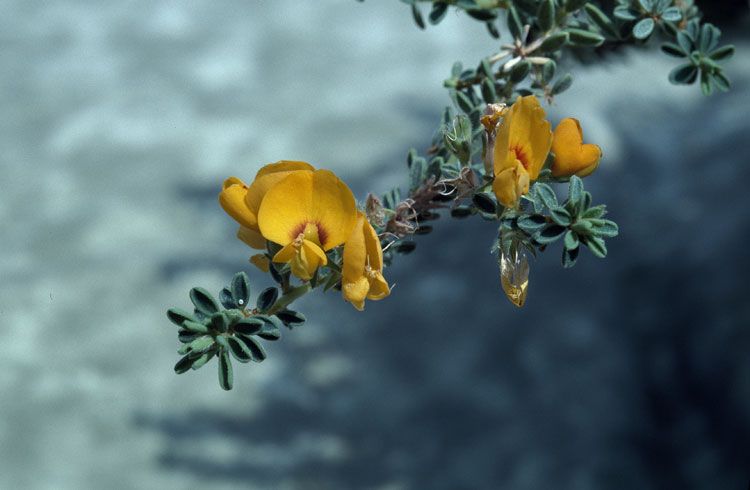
<point>643,28</point>
<point>267,298</point>
<point>204,302</point>
<point>241,289</point>
<point>226,378</point>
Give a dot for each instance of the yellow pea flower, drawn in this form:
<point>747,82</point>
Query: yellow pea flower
<point>362,275</point>
<point>522,144</point>
<point>307,213</point>
<point>572,157</point>
<point>242,202</point>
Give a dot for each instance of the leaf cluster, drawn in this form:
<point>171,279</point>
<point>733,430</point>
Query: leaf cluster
<point>544,220</point>
<point>234,331</point>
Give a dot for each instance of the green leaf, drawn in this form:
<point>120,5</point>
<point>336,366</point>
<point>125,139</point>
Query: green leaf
<point>249,326</point>
<point>673,50</point>
<point>417,171</point>
<point>546,194</point>
<point>601,20</point>
<point>583,227</point>
<point>204,302</point>
<point>706,86</point>
<point>488,91</point>
<point>486,69</point>
<point>597,246</point>
<point>575,190</point>
<point>267,298</point>
<point>201,344</point>
<point>461,211</point>
<point>186,336</point>
<point>482,14</point>
<point>571,240</point>
<point>685,43</point>
<point>492,29</point>
<point>595,212</point>
<point>531,223</point>
<point>484,202</point>
<point>202,360</point>
<point>554,42</point>
<point>184,364</point>
<point>604,228</point>
<point>405,246</point>
<point>646,5</point>
<point>672,14</point>
<point>560,216</point>
<point>548,71</point>
<point>291,318</point>
<point>550,234</point>
<point>464,102</point>
<point>546,15</point>
<point>226,299</point>
<point>514,23</point>
<point>195,327</point>
<point>240,288</point>
<point>625,13</point>
<point>722,53</point>
<point>271,330</point>
<point>439,9</point>
<point>225,371</point>
<point>643,28</point>
<point>721,82</point>
<point>519,71</point>
<point>179,316</point>
<point>455,73</point>
<point>418,19</point>
<point>239,350</point>
<point>585,201</point>
<point>219,322</point>
<point>569,257</point>
<point>684,74</point>
<point>709,38</point>
<point>257,353</point>
<point>580,37</point>
<point>562,84</point>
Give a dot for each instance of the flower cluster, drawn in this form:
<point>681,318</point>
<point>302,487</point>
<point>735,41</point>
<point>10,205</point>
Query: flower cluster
<point>309,213</point>
<point>522,140</point>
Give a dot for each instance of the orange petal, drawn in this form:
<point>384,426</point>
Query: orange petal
<point>232,200</point>
<point>572,157</point>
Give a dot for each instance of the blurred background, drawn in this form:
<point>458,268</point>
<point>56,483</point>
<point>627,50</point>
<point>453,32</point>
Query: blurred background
<point>122,118</point>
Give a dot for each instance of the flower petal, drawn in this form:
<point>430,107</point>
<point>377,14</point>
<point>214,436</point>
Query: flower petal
<point>510,184</point>
<point>269,176</point>
<point>355,253</point>
<point>308,197</point>
<point>286,254</point>
<point>572,157</point>
<point>379,288</point>
<point>355,292</point>
<point>530,132</point>
<point>232,200</point>
<point>314,253</point>
<point>251,237</point>
<point>261,262</point>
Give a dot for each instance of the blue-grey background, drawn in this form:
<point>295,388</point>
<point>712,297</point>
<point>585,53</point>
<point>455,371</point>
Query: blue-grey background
<point>119,121</point>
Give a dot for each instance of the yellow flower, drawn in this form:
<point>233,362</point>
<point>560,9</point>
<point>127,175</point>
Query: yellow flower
<point>363,266</point>
<point>307,213</point>
<point>522,144</point>
<point>242,202</point>
<point>572,157</point>
<point>261,262</point>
